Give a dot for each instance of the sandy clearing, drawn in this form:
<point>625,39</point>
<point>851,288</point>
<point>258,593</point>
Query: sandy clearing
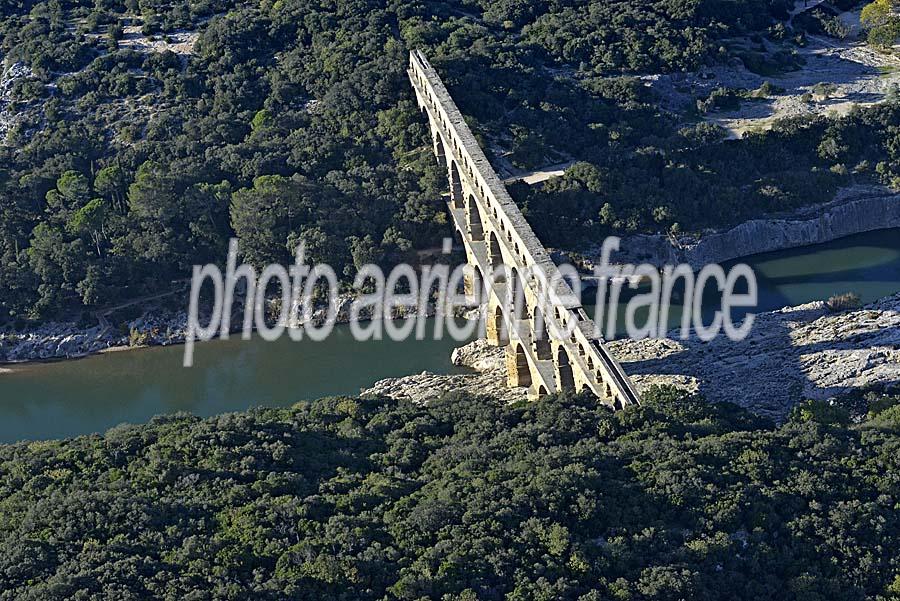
<point>179,42</point>
<point>859,76</point>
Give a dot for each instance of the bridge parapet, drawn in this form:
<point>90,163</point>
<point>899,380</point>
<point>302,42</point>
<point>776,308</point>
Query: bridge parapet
<point>505,253</point>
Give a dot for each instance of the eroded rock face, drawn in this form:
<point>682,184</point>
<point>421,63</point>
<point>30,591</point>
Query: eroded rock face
<point>854,216</point>
<point>802,352</point>
<point>854,211</point>
<point>8,119</point>
<point>479,355</point>
<point>66,340</point>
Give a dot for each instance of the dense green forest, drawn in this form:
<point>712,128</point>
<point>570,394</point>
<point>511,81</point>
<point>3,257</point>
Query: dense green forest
<point>292,121</point>
<point>464,499</point>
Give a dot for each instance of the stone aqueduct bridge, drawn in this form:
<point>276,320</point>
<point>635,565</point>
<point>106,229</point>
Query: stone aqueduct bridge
<point>549,338</point>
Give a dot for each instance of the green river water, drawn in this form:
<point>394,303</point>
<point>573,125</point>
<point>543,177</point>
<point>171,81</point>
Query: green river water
<point>67,398</point>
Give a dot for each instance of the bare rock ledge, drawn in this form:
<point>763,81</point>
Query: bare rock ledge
<point>802,352</point>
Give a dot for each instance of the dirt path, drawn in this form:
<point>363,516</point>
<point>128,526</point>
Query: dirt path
<point>103,314</point>
<point>540,175</point>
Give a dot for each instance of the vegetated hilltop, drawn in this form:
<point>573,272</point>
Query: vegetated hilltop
<point>141,135</point>
<point>464,499</point>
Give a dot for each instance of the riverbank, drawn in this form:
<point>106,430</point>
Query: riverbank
<point>71,340</point>
<point>489,378</point>
<point>854,210</point>
<point>793,354</point>
<point>155,327</point>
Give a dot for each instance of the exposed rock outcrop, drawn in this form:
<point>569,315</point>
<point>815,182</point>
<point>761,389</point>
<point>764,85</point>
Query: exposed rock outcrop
<point>802,352</point>
<point>8,77</point>
<point>488,378</point>
<point>65,340</point>
<point>55,340</point>
<point>857,210</point>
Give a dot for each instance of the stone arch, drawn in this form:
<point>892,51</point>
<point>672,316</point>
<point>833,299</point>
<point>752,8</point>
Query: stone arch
<point>519,370</point>
<point>495,258</point>
<point>540,340</point>
<point>515,294</point>
<point>542,390</point>
<point>565,379</point>
<point>456,191</point>
<point>473,220</point>
<point>439,151</point>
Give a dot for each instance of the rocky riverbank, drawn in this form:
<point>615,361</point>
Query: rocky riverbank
<point>853,211</point>
<point>155,327</point>
<point>67,340</point>
<point>803,352</point>
<point>488,378</point>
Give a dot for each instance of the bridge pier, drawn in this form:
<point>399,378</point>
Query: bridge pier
<point>496,330</point>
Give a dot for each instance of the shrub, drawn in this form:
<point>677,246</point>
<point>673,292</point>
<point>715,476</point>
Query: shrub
<point>843,302</point>
<point>138,337</point>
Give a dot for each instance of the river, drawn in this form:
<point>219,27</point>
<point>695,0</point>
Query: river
<point>67,398</point>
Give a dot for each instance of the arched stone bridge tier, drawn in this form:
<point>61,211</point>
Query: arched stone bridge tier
<point>549,338</point>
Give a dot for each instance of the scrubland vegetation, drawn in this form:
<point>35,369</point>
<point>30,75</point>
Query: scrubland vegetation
<point>465,499</point>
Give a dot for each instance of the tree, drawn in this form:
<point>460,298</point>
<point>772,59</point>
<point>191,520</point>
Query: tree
<point>71,192</point>
<point>607,214</point>
<point>111,183</point>
<point>162,232</point>
<point>90,221</point>
<point>262,120</point>
<point>58,263</point>
<point>881,20</point>
<point>267,215</point>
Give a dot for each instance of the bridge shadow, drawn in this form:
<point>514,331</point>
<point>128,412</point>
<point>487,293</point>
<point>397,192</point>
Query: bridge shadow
<point>791,354</point>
